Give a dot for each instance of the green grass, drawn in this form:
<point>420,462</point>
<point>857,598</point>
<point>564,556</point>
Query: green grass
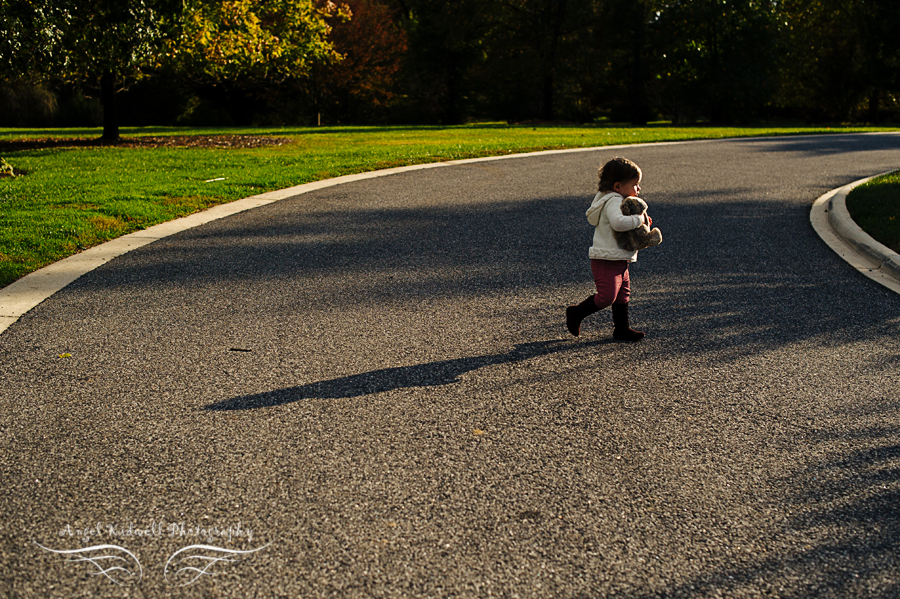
<point>73,198</point>
<point>875,206</point>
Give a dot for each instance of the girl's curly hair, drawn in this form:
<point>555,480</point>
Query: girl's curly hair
<point>617,170</point>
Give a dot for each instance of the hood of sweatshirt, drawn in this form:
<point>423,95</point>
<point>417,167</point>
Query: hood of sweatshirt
<point>593,213</point>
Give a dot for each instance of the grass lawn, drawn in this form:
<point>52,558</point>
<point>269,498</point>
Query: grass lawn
<point>875,206</point>
<point>73,198</point>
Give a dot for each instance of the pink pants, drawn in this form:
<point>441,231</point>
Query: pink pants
<point>613,283</point>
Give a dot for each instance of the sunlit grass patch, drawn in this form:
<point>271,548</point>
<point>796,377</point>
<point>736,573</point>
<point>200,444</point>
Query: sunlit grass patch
<point>875,206</point>
<point>185,205</point>
<point>106,224</point>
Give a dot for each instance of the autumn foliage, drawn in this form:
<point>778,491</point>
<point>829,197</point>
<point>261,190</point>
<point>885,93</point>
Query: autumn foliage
<point>372,47</point>
<point>245,62</point>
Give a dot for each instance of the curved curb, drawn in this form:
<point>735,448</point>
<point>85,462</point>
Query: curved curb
<point>831,220</point>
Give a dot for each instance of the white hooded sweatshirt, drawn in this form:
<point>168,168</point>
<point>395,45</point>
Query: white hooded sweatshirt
<point>606,215</point>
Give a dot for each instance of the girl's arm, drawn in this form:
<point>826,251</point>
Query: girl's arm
<point>620,222</point>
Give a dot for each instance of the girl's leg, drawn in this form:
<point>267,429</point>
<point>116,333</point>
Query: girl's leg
<point>575,314</point>
<point>624,293</point>
<point>610,276</point>
<point>623,330</point>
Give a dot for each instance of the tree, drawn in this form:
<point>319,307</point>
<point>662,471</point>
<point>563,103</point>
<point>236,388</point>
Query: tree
<point>244,39</point>
<point>240,55</point>
<point>623,55</point>
<point>535,53</point>
<point>28,36</point>
<point>715,58</point>
<point>101,44</point>
<point>447,40</point>
<point>844,59</point>
<point>372,46</point>
<point>108,44</point>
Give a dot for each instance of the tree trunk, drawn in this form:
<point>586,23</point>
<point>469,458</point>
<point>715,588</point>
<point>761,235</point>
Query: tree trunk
<point>718,92</point>
<point>548,106</point>
<point>108,100</point>
<point>640,104</point>
<point>453,105</point>
<point>548,110</point>
<point>874,116</point>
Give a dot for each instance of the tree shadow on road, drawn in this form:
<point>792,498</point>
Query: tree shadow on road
<point>812,145</point>
<point>737,271</point>
<point>755,277</point>
<point>840,536</point>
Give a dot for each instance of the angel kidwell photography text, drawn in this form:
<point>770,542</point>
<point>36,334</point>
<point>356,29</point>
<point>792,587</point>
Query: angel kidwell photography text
<point>108,550</point>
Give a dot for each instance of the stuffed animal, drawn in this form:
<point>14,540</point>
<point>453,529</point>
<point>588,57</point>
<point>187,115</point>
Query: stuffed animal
<point>643,237</point>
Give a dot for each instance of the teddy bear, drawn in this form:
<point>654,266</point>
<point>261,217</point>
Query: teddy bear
<point>643,237</point>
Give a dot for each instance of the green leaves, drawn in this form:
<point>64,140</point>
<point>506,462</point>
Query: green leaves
<point>74,40</point>
<point>30,35</point>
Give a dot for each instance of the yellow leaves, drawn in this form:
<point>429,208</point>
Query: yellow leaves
<point>6,169</point>
<point>66,355</point>
<point>342,11</point>
<point>243,38</point>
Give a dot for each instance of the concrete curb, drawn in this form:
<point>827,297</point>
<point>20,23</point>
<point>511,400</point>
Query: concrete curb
<point>831,220</point>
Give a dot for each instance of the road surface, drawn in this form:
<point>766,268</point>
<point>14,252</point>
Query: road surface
<point>369,390</point>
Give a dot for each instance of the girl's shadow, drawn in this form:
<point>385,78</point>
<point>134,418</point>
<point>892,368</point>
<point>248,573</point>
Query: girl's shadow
<point>432,374</point>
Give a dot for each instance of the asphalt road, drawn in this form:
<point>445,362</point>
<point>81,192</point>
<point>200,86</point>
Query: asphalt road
<point>371,388</point>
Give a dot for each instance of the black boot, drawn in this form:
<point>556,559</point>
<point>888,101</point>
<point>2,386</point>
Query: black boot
<point>575,314</point>
<point>623,332</point>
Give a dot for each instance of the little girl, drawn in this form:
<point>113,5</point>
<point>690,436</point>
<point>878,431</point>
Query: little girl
<point>619,178</point>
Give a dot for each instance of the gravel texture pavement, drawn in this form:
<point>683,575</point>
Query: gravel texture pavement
<point>370,389</point>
